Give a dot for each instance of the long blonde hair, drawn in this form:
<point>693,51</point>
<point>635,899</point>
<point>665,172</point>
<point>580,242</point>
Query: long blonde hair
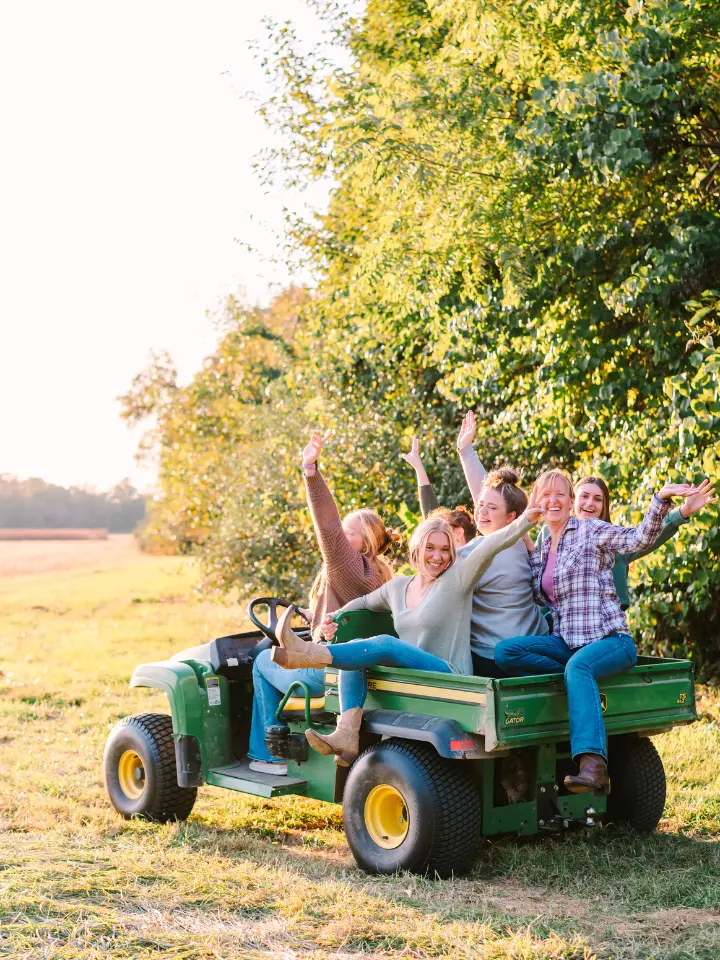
<point>376,538</point>
<point>420,535</point>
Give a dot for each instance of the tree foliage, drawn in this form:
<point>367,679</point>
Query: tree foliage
<point>525,221</point>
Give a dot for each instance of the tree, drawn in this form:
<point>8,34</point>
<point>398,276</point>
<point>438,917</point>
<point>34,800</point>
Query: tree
<point>526,200</point>
<point>525,220</point>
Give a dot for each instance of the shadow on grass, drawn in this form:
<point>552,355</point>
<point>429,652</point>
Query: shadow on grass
<point>634,872</point>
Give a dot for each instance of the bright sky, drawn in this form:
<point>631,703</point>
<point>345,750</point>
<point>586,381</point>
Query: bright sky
<point>126,193</point>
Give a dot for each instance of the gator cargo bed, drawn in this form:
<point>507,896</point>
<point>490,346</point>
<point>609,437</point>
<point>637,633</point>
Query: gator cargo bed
<point>654,696</point>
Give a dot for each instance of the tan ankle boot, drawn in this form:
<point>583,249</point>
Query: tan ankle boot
<point>344,743</point>
<point>293,652</point>
<point>592,776</point>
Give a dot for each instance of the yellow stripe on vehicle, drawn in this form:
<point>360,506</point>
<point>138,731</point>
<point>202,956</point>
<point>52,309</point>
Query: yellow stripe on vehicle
<point>419,690</point>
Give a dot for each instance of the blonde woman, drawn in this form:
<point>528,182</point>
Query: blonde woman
<point>431,614</point>
<point>572,574</point>
<point>353,565</point>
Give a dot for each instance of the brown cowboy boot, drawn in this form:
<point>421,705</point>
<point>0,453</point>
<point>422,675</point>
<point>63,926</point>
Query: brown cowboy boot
<point>592,776</point>
<point>295,653</point>
<point>344,743</point>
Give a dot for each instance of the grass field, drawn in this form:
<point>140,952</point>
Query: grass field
<point>253,878</point>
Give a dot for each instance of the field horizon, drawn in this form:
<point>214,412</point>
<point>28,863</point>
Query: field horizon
<point>246,877</point>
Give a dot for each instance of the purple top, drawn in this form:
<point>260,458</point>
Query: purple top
<point>547,577</point>
<point>586,606</point>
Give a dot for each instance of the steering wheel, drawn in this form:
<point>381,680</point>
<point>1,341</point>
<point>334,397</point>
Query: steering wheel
<point>272,603</point>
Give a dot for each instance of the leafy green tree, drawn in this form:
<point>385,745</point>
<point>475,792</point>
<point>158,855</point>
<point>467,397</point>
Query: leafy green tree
<point>524,220</point>
<point>526,199</point>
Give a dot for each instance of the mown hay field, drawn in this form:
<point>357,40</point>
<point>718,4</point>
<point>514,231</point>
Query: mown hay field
<point>253,878</point>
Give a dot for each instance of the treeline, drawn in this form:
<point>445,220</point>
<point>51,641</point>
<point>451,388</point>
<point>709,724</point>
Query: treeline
<point>32,503</point>
<point>526,222</point>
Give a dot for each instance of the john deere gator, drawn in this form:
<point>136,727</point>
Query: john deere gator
<point>446,760</point>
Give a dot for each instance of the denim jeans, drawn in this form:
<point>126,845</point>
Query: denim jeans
<point>270,683</point>
<point>523,656</point>
<point>384,651</point>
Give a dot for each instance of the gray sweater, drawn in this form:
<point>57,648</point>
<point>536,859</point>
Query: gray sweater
<point>502,601</point>
<point>440,623</point>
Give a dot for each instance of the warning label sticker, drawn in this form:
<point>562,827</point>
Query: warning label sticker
<point>213,691</point>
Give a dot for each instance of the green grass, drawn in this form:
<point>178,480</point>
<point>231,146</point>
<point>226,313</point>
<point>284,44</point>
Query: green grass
<point>253,878</point>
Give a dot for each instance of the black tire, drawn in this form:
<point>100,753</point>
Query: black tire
<point>440,808</point>
<point>637,779</point>
<point>140,770</point>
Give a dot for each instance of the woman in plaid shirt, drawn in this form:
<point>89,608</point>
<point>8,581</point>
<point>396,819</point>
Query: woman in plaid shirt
<point>572,574</point>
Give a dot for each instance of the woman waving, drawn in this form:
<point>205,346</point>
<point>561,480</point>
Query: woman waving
<point>572,574</point>
<point>352,566</point>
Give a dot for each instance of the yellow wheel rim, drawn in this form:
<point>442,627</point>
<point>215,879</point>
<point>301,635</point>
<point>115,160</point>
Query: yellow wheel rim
<point>131,775</point>
<point>386,816</point>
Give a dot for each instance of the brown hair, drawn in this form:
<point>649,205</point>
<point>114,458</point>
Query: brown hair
<point>459,517</point>
<point>420,535</point>
<point>376,538</point>
<point>505,480</point>
<point>599,482</point>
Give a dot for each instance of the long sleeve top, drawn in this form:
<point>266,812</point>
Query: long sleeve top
<point>586,606</point>
<point>474,472</point>
<point>673,521</point>
<point>503,604</point>
<point>345,572</point>
<point>502,601</point>
<point>440,623</point>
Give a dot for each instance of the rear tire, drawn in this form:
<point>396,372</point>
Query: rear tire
<point>406,808</point>
<point>638,786</point>
<point>140,770</point>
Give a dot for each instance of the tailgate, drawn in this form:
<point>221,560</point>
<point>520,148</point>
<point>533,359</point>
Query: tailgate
<point>654,696</point>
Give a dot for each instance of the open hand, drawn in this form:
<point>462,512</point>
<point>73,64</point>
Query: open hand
<point>413,458</point>
<point>467,431</point>
<point>315,445</point>
<point>677,490</point>
<point>696,501</point>
<point>536,505</point>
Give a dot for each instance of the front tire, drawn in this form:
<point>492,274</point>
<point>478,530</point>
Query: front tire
<point>638,785</point>
<point>406,808</point>
<point>140,770</point>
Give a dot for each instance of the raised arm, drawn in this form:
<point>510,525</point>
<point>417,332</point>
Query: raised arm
<point>474,564</point>
<point>641,537</point>
<point>337,553</point>
<point>473,469</point>
<point>426,494</point>
<point>676,518</point>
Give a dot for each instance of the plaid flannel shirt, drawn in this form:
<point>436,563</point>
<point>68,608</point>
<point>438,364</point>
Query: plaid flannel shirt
<point>586,606</point>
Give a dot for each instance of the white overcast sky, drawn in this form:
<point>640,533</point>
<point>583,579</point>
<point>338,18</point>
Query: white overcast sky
<point>126,192</point>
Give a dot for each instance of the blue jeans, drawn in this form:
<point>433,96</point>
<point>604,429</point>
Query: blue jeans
<point>270,683</point>
<point>384,651</point>
<point>523,656</point>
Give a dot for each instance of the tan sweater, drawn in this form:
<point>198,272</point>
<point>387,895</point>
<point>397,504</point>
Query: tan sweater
<point>345,573</point>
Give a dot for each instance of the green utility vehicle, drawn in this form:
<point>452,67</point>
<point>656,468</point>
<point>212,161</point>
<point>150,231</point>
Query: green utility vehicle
<point>445,761</point>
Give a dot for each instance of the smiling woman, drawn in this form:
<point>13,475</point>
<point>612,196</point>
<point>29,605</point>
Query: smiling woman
<point>572,574</point>
<point>431,615</point>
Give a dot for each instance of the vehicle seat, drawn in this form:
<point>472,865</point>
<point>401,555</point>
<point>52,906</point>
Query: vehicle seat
<point>295,709</point>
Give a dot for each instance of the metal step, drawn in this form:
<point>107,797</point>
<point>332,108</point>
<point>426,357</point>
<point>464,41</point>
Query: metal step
<point>239,776</point>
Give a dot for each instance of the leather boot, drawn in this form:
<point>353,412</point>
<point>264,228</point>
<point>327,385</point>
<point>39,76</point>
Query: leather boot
<point>295,653</point>
<point>592,776</point>
<point>344,743</point>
